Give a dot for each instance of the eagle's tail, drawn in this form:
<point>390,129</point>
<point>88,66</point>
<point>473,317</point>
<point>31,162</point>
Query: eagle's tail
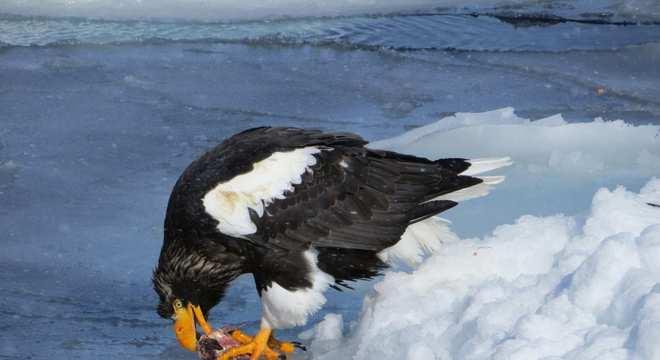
<point>478,166</point>
<point>427,236</point>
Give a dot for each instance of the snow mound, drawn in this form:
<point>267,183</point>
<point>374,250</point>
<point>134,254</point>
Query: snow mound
<point>542,287</point>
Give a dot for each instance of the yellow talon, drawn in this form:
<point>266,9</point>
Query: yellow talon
<point>262,344</point>
<point>273,343</point>
<point>257,347</point>
<point>284,347</point>
<point>241,337</point>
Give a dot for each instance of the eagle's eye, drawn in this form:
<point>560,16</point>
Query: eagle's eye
<point>177,304</point>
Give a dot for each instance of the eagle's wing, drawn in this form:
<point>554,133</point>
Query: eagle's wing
<point>215,196</point>
<point>357,198</point>
<point>292,188</point>
<point>283,190</point>
<point>351,204</point>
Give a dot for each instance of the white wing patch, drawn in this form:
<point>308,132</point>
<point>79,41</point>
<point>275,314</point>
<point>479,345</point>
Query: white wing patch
<point>284,309</point>
<point>269,179</point>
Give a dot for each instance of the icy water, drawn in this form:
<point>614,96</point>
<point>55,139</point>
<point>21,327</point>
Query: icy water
<point>99,117</point>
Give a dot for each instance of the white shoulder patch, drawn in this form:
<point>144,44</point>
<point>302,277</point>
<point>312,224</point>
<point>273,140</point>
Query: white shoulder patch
<point>269,179</point>
<point>284,309</point>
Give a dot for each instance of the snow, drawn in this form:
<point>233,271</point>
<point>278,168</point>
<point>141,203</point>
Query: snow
<point>578,285</point>
<point>540,287</point>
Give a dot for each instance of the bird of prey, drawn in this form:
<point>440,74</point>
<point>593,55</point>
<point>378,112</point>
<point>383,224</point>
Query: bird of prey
<point>302,211</point>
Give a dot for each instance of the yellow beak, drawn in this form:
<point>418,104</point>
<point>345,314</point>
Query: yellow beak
<point>184,325</point>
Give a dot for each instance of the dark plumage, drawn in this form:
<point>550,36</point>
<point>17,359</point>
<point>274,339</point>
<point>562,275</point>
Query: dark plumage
<point>354,203</point>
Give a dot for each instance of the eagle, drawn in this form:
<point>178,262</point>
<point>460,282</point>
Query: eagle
<point>301,210</point>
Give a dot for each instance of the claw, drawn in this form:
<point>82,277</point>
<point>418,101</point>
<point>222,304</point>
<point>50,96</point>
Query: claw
<point>241,337</point>
<point>257,346</point>
<point>262,344</point>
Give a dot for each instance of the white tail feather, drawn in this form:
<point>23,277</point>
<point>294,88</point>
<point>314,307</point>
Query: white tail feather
<point>419,239</point>
<point>472,192</point>
<point>492,180</point>
<point>478,166</point>
<point>427,236</point>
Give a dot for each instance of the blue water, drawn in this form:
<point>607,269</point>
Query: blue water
<point>99,117</point>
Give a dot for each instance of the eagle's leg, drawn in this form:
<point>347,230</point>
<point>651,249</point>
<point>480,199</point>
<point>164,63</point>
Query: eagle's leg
<point>256,346</point>
<point>285,347</point>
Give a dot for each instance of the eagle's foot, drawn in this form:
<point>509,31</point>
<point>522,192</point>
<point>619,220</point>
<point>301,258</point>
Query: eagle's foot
<point>257,346</point>
<point>241,337</point>
<point>285,347</point>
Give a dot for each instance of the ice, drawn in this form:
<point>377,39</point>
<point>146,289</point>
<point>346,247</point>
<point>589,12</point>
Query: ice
<point>547,146</point>
<point>579,285</point>
<point>224,9</point>
<point>232,9</point>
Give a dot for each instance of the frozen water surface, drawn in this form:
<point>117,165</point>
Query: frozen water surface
<point>99,117</point>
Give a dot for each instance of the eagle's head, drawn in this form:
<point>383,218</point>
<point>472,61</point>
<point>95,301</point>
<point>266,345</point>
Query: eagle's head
<point>188,286</point>
<point>197,262</point>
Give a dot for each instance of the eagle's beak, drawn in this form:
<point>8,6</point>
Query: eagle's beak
<point>184,325</point>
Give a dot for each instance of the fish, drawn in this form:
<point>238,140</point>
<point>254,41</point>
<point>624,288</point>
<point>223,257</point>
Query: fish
<point>213,345</point>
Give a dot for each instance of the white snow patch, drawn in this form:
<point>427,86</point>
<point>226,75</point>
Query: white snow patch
<point>539,288</point>
<point>327,333</point>
<point>547,286</point>
<point>229,202</point>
